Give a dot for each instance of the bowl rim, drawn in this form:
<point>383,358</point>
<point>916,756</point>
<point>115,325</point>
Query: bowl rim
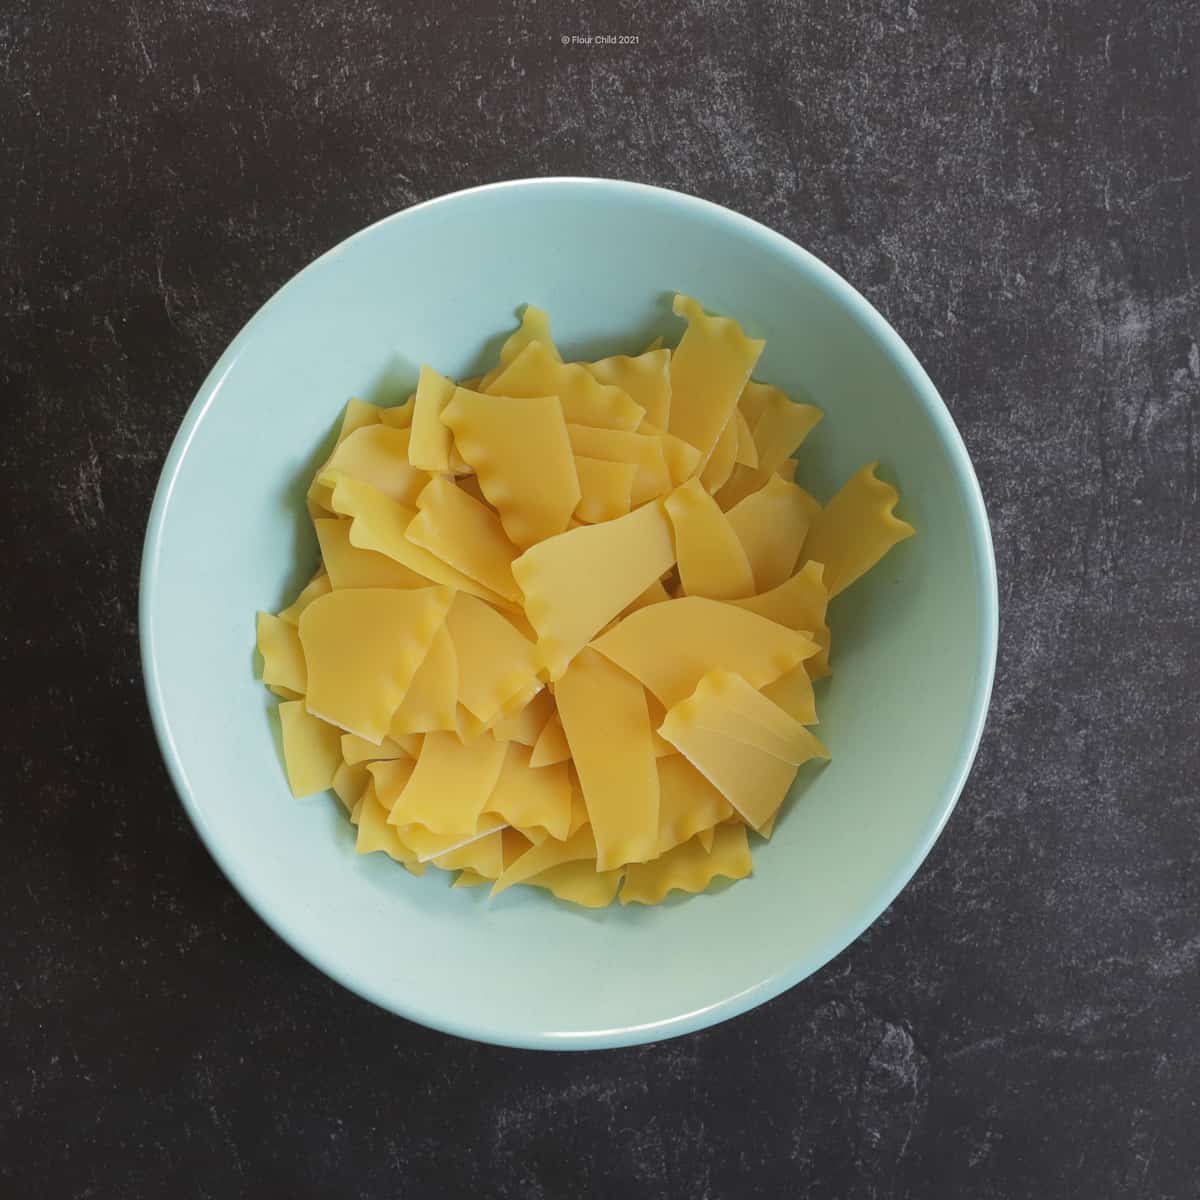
<point>886,892</point>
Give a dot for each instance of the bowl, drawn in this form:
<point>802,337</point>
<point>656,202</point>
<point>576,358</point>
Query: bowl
<point>914,642</point>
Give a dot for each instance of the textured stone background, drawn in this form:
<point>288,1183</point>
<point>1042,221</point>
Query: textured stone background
<point>1017,190</point>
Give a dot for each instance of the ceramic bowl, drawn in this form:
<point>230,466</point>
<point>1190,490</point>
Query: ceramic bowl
<point>914,642</point>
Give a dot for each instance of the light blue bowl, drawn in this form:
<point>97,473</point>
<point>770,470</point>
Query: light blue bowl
<point>914,643</point>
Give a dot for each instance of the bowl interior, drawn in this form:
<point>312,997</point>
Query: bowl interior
<point>913,644</point>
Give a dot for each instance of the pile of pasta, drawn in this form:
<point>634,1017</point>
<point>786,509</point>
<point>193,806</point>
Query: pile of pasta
<point>568,616</point>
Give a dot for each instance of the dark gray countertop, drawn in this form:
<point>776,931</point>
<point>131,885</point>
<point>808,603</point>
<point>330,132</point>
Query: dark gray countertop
<point>1017,188</point>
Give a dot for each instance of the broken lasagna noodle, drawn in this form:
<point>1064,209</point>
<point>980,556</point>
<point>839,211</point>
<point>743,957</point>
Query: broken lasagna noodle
<point>568,615</point>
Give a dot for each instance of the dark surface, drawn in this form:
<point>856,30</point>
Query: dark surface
<point>1017,191</point>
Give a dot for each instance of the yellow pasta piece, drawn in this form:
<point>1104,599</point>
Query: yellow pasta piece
<point>400,416</point>
<point>662,748</point>
<point>527,796</point>
<point>429,444</point>
<point>607,724</point>
<point>579,847</point>
<point>312,749</point>
<point>501,440</point>
<point>855,529</point>
<point>380,524</point>
<point>349,783</point>
<point>606,489</point>
<point>282,654</point>
<point>645,379</point>
<point>743,481</point>
<point>551,746</point>
<point>450,785</point>
<point>753,400</point>
<point>389,777</point>
<point>654,594</point>
<point>318,585</point>
<point>681,457</point>
<point>378,455</point>
<point>705,838</point>
<point>467,878</point>
<point>374,833</point>
<point>431,702</point>
<point>793,693</point>
<point>362,647</point>
<point>652,477</point>
<point>688,804</point>
<point>526,726</point>
<point>670,646</point>
<point>484,856</point>
<point>656,344</point>
<point>432,847</point>
<point>708,372</point>
<point>466,534</point>
<point>711,559</point>
<point>689,867</point>
<point>534,327</point>
<point>536,371</point>
<point>574,584</point>
<point>720,464</point>
<point>787,469</point>
<point>580,883</point>
<point>496,665</point>
<point>753,781</point>
<point>747,451</point>
<point>356,750</point>
<point>350,567</point>
<point>781,426</point>
<point>357,415</point>
<point>284,693</point>
<point>771,524</point>
<point>799,603</point>
<point>725,703</point>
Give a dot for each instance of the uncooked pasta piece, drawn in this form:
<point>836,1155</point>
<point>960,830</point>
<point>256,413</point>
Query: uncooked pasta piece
<point>574,584</point>
<point>282,654</point>
<point>450,785</point>
<point>669,647</point>
<point>312,749</point>
<point>537,371</point>
<point>527,796</point>
<point>496,664</point>
<point>771,525</point>
<point>690,867</point>
<point>551,746</point>
<point>430,441</point>
<point>607,724</point>
<point>644,378</point>
<point>380,524</point>
<point>606,489</point>
<point>362,647</point>
<point>720,464</point>
<point>466,534</point>
<point>520,450</point>
<point>350,567</point>
<point>708,372</point>
<point>318,585</point>
<point>652,476</point>
<point>712,561</point>
<point>781,426</point>
<point>855,529</point>
<point>431,702</point>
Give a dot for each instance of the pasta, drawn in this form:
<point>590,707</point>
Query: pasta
<point>568,617</point>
